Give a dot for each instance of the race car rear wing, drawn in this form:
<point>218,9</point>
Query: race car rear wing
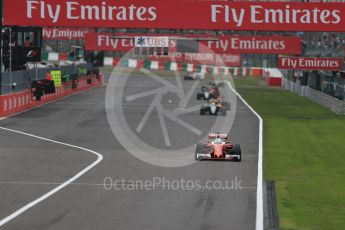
<point>215,135</point>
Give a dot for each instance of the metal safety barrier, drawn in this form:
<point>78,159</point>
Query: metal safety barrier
<point>17,102</point>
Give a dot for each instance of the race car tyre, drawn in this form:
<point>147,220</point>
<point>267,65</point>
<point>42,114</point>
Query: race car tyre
<point>222,112</point>
<point>237,151</point>
<point>204,110</point>
<point>199,149</point>
<point>226,106</point>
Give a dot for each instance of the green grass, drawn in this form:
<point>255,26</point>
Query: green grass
<point>304,152</point>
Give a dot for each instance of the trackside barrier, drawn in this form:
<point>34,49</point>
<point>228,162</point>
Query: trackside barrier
<point>11,104</point>
<point>256,72</point>
<point>272,76</point>
<point>334,104</point>
<point>154,65</point>
<point>245,72</point>
<point>236,72</point>
<point>274,81</point>
<point>132,63</point>
<point>109,61</point>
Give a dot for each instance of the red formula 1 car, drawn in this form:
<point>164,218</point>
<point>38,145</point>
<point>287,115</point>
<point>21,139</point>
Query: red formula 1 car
<point>218,148</point>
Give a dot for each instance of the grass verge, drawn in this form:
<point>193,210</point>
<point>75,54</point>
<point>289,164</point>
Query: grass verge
<point>304,151</point>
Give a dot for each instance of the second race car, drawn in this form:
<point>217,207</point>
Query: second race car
<point>213,107</point>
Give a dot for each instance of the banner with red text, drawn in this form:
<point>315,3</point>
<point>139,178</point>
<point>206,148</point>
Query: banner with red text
<point>107,42</point>
<point>230,60</point>
<point>53,33</point>
<point>177,14</point>
<point>255,45</point>
<point>224,44</point>
<point>310,63</point>
<point>117,42</point>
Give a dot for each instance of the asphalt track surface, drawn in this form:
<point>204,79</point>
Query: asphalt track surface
<point>30,167</point>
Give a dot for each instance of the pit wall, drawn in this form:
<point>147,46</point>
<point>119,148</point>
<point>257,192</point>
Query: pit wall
<point>22,78</point>
<point>11,104</point>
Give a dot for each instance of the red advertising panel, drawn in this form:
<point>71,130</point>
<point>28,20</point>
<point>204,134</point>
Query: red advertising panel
<point>117,42</point>
<point>230,60</point>
<point>310,63</point>
<point>107,42</point>
<point>225,45</point>
<point>180,14</point>
<point>256,45</point>
<point>52,33</point>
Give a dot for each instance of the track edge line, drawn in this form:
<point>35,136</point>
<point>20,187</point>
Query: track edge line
<point>58,188</point>
<point>259,223</point>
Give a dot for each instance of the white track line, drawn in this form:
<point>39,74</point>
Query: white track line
<point>122,184</point>
<point>55,190</point>
<point>259,193</point>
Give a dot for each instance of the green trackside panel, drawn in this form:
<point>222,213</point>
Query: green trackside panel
<point>184,67</point>
<point>71,58</point>
<point>45,56</point>
<point>67,77</point>
<point>222,70</point>
<point>167,66</point>
<point>124,62</point>
<point>147,64</point>
<point>199,68</point>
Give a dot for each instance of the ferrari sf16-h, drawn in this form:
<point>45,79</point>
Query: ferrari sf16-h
<point>218,148</point>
